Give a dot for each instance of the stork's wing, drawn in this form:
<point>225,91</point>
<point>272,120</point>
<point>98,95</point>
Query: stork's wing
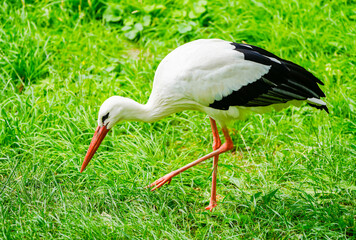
<point>284,81</point>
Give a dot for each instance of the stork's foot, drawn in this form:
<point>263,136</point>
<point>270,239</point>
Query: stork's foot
<point>211,206</point>
<point>160,182</point>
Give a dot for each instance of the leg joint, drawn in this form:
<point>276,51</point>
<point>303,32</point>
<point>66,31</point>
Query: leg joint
<point>227,146</point>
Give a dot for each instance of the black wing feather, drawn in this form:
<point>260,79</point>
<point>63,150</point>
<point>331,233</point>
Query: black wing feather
<point>284,82</point>
<point>290,65</point>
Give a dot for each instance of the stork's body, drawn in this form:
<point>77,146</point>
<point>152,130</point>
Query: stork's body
<point>225,80</point>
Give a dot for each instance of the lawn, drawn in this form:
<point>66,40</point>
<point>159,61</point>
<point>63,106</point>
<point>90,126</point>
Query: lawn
<point>291,176</point>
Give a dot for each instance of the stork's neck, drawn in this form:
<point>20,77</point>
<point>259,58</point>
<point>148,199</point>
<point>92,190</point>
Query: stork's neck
<point>149,112</point>
<point>155,109</point>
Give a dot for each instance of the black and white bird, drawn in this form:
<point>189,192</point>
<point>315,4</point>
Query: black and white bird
<point>223,79</point>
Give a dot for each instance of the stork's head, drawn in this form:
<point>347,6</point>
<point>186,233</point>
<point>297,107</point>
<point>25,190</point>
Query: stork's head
<point>113,110</point>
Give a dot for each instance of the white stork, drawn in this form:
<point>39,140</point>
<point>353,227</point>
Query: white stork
<point>223,79</point>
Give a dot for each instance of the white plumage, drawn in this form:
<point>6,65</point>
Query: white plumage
<point>225,80</point>
<point>201,72</point>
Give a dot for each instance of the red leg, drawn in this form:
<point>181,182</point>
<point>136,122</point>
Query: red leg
<point>228,145</point>
<point>216,137</point>
<point>216,145</point>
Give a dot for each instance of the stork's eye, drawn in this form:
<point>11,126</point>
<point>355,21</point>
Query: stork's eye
<point>105,117</point>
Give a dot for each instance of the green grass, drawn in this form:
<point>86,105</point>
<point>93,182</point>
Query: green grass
<point>291,176</point>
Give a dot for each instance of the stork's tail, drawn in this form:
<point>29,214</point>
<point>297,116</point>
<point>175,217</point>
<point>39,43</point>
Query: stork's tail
<point>317,103</point>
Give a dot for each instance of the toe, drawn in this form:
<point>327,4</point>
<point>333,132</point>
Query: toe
<point>211,206</point>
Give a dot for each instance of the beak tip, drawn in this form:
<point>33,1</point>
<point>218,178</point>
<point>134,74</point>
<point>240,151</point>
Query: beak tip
<point>82,168</point>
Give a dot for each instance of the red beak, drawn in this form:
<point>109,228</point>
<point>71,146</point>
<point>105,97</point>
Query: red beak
<point>98,137</point>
